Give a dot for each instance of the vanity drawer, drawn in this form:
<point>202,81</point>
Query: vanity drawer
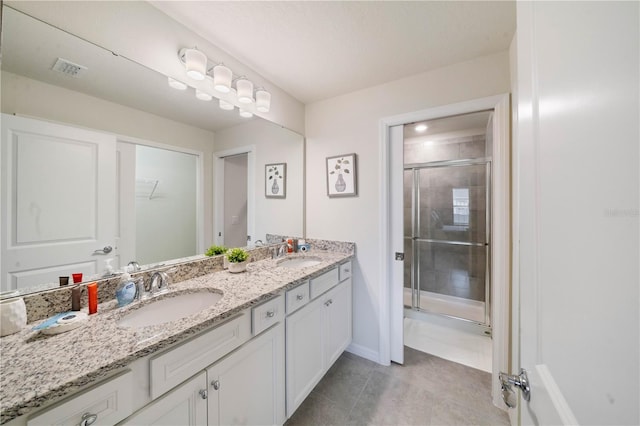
<point>174,366</point>
<point>345,271</point>
<point>267,314</point>
<point>297,297</point>
<point>323,283</point>
<point>109,401</point>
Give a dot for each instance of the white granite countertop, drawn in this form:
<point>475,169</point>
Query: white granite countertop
<point>35,368</point>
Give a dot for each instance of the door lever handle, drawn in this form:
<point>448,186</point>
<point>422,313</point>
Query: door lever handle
<point>104,250</point>
<point>521,381</point>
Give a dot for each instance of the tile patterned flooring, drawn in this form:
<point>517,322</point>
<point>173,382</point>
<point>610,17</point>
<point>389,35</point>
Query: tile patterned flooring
<point>461,346</point>
<point>426,390</point>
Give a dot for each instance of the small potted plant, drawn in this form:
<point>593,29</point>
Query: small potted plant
<point>237,258</point>
<point>215,250</point>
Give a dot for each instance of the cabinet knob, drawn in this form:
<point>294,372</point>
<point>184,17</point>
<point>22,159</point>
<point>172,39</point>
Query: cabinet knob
<point>270,314</point>
<point>215,384</point>
<point>299,297</point>
<point>203,393</point>
<point>328,302</point>
<point>88,419</point>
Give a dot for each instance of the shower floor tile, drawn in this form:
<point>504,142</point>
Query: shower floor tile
<point>455,345</point>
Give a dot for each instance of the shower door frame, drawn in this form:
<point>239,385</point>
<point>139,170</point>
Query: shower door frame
<point>415,225</point>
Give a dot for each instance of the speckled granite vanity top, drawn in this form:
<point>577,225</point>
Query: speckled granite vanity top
<point>35,368</point>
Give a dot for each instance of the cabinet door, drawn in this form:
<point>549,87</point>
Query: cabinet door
<point>305,354</point>
<point>184,405</point>
<point>247,387</point>
<point>337,321</point>
<point>107,402</point>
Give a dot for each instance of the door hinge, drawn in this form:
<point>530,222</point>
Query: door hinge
<point>399,256</point>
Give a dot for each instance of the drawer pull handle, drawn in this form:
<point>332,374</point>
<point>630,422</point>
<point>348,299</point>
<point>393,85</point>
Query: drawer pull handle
<point>215,384</point>
<point>270,314</point>
<point>299,297</point>
<point>347,270</point>
<point>328,302</point>
<point>203,393</point>
<point>88,419</point>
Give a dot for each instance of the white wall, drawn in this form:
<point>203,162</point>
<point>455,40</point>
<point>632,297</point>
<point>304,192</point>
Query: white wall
<point>273,145</point>
<point>24,96</point>
<point>350,123</point>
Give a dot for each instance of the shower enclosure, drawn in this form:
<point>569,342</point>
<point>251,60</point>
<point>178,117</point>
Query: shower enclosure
<point>447,230</point>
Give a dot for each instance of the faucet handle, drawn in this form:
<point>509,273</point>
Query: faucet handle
<point>159,282</point>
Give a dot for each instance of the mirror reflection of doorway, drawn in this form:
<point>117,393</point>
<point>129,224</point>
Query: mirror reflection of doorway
<point>158,203</point>
<point>235,231</point>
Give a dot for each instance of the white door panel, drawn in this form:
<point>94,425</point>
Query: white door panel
<point>58,201</point>
<point>578,195</point>
<point>396,160</point>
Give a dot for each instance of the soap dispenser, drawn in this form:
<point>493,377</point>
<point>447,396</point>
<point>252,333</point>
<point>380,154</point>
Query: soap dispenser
<point>108,268</point>
<point>126,291</point>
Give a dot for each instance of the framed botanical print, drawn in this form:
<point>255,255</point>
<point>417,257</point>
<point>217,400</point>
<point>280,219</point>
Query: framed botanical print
<point>341,176</point>
<point>275,180</point>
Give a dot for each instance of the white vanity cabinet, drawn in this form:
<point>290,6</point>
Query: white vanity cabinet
<point>244,388</point>
<point>104,404</point>
<point>239,380</point>
<point>317,334</point>
<point>184,405</point>
<point>247,387</point>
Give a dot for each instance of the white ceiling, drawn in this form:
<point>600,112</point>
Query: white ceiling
<point>317,50</point>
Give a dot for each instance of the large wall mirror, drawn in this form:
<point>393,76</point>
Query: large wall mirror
<point>114,157</point>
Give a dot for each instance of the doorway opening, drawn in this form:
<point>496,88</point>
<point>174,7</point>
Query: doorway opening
<point>392,248</point>
<point>447,224</point>
<point>234,200</point>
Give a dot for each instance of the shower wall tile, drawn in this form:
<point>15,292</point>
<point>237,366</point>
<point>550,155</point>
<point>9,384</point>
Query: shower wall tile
<point>474,149</point>
<point>453,149</point>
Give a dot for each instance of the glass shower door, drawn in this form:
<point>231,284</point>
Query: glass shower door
<point>447,236</point>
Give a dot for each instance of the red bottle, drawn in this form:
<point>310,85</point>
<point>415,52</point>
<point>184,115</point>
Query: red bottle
<point>92,290</point>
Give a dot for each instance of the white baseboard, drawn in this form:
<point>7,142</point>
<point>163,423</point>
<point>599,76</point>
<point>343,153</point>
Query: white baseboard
<point>364,352</point>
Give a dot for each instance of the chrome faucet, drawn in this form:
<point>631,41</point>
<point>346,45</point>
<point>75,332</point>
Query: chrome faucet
<point>134,266</point>
<point>159,283</point>
<point>277,252</point>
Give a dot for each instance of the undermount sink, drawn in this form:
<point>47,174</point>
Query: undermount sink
<point>169,308</point>
<point>299,262</point>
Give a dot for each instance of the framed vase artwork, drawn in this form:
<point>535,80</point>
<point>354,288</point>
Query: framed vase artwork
<point>341,176</point>
<point>275,180</point>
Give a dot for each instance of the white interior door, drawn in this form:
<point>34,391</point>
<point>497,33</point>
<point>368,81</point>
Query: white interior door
<point>58,201</point>
<point>577,212</point>
<point>396,222</point>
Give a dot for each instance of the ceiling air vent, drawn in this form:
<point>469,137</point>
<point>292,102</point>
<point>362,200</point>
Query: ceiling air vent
<point>69,68</point>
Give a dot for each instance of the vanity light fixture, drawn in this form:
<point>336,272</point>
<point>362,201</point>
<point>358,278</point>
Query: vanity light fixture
<point>227,106</point>
<point>245,90</point>
<point>219,80</point>
<point>245,114</point>
<point>421,128</point>
<point>195,62</point>
<point>263,100</point>
<point>222,78</point>
<point>178,85</point>
<point>202,95</point>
